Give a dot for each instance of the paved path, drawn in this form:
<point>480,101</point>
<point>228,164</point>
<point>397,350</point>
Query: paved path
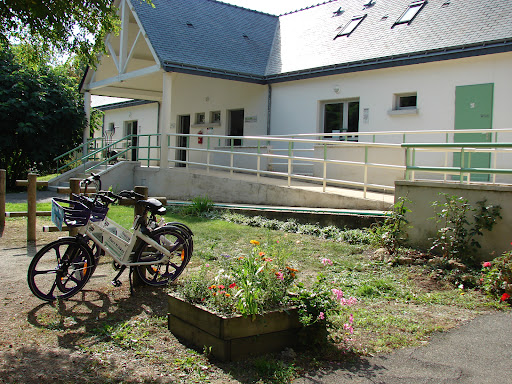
<point>41,197</point>
<point>477,352</point>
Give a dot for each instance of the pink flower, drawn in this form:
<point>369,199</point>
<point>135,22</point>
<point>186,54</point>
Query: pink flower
<point>349,328</point>
<point>280,275</point>
<point>338,293</point>
<point>487,264</point>
<point>351,319</point>
<point>326,261</point>
<point>321,316</point>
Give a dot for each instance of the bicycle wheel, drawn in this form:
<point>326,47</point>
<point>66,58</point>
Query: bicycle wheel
<point>60,269</point>
<point>157,273</point>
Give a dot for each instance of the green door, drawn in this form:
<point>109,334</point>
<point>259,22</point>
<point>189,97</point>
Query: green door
<point>473,110</point>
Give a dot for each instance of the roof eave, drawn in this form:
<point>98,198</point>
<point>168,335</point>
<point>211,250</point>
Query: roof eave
<point>213,72</point>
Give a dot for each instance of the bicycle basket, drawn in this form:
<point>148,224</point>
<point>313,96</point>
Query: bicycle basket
<point>98,212</point>
<point>76,214</point>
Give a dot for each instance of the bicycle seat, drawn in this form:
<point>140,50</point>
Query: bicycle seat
<point>154,206</point>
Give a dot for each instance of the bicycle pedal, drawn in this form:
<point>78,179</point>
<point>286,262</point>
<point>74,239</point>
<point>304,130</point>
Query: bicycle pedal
<point>116,283</point>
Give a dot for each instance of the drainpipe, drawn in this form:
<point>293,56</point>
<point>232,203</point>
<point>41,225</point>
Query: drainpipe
<point>269,108</point>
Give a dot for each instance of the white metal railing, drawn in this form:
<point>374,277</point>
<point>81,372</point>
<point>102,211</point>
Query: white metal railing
<point>258,155</point>
<point>328,159</point>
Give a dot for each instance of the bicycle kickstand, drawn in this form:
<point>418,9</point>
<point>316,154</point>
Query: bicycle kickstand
<point>131,280</point>
<point>116,282</point>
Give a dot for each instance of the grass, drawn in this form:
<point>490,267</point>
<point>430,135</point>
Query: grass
<point>398,306</point>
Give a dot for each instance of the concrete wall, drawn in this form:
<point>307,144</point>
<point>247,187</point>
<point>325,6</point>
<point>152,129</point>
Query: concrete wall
<point>180,184</point>
<point>423,194</point>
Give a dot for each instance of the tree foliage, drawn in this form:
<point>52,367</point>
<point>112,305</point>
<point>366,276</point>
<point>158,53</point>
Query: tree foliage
<point>73,26</point>
<point>41,114</point>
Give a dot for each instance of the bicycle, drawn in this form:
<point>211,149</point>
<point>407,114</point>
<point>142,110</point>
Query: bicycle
<point>158,251</point>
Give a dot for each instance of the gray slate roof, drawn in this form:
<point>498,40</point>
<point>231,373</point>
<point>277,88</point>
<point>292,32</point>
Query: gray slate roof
<point>209,34</point>
<point>301,44</point>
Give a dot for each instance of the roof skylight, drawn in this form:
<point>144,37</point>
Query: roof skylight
<point>351,26</point>
<point>410,13</point>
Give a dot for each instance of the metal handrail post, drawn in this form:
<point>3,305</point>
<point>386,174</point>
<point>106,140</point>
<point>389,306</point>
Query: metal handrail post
<point>324,182</point>
<point>258,162</point>
<point>365,177</point>
<point>208,155</point>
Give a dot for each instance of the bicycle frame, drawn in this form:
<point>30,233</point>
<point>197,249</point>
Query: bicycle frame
<point>119,243</point>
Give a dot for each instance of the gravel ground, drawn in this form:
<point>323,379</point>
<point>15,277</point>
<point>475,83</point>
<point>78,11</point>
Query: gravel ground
<point>101,335</point>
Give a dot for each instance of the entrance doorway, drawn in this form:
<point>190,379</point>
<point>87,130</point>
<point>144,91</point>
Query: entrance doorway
<point>473,110</point>
<point>341,116</point>
<point>236,125</point>
<point>183,128</point>
<point>130,128</point>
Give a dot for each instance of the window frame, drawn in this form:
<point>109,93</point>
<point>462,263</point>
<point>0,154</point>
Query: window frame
<point>200,118</point>
<point>355,21</point>
<point>400,96</point>
<point>345,118</point>
<point>420,4</point>
<point>213,120</point>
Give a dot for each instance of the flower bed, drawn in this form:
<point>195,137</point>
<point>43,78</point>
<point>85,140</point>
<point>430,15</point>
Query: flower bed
<point>235,337</point>
<point>241,306</point>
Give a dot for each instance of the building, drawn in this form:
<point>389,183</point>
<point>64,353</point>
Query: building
<point>348,65</point>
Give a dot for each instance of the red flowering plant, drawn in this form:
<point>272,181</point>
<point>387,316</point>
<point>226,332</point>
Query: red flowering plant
<point>245,284</point>
<point>496,277</point>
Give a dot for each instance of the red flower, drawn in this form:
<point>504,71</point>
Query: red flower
<point>232,285</point>
<point>487,264</point>
<point>505,297</point>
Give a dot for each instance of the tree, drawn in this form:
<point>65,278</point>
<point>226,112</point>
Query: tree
<point>41,114</point>
<point>72,26</point>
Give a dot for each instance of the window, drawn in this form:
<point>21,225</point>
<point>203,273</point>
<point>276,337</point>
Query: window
<point>351,26</point>
<point>215,117</point>
<point>200,118</point>
<point>411,12</point>
<point>406,101</point>
<point>341,116</point>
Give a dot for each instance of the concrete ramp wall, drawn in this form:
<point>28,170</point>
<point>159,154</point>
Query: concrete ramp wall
<point>423,194</point>
<point>183,184</point>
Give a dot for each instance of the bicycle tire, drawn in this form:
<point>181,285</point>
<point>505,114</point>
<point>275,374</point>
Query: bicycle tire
<point>160,274</point>
<point>60,269</point>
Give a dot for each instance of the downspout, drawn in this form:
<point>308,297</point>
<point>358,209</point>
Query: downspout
<point>269,107</point>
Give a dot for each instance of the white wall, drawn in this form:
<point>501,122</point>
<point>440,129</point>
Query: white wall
<point>147,119</point>
<point>296,109</point>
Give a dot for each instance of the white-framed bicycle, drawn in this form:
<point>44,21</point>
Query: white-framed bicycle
<point>157,251</point>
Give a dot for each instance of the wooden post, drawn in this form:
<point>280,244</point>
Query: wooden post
<point>31,205</point>
<point>136,281</point>
<point>2,197</point>
<point>74,185</point>
<point>143,190</point>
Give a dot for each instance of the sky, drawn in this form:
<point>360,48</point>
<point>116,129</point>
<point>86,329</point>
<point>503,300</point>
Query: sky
<point>274,7</point>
